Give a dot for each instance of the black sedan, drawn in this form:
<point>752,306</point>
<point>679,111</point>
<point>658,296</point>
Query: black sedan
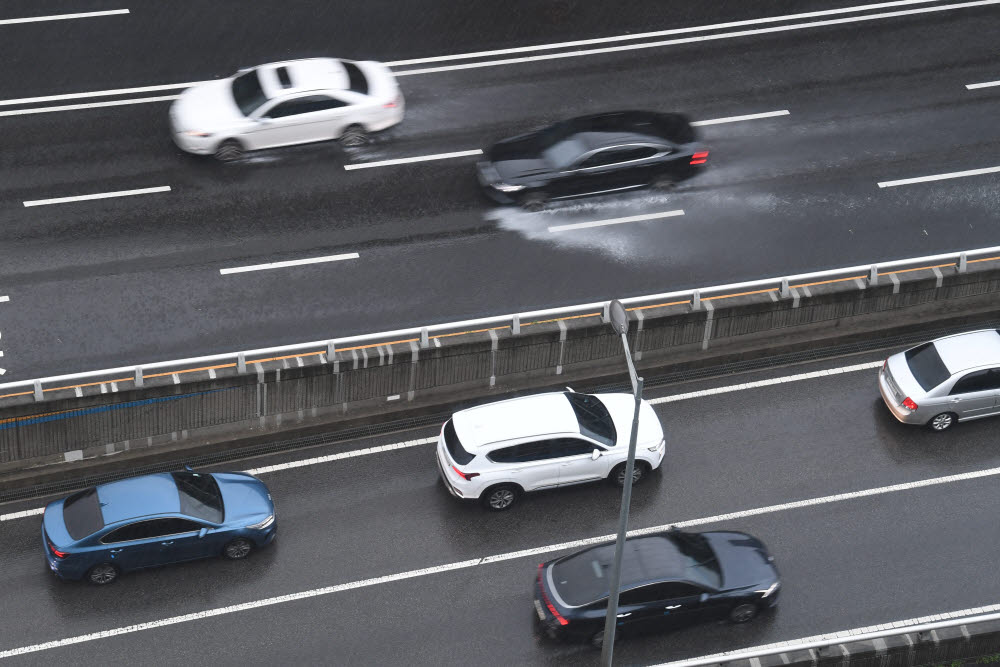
<point>591,155</point>
<point>668,579</point>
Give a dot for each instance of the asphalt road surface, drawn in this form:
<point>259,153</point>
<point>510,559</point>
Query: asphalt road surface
<point>897,554</point>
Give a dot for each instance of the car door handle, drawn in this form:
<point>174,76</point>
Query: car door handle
<point>117,551</point>
<point>673,606</point>
<point>167,544</point>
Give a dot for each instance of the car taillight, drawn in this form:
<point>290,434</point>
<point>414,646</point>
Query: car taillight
<point>391,105</point>
<point>56,552</point>
<point>699,158</point>
<point>465,475</point>
<point>885,365</point>
<point>545,598</point>
<point>909,404</point>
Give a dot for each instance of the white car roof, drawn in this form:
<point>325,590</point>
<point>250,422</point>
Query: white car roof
<point>515,418</point>
<point>969,350</point>
<point>303,75</point>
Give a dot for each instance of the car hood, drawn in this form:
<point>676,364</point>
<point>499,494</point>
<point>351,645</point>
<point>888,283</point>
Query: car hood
<point>244,497</point>
<point>743,559</point>
<point>55,526</point>
<point>206,107</point>
<point>621,408</point>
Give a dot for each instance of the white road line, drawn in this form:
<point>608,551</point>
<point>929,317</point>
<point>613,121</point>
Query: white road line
<point>988,84</point>
<point>98,93</point>
<point>100,195</point>
<point>486,560</point>
<point>291,262</point>
<point>4,298</point>
<point>341,455</point>
<point>734,119</point>
<point>700,38</point>
<point>89,105</point>
<point>407,160</point>
<point>63,17</point>
<point>657,33</point>
<point>940,177</point>
<point>20,515</point>
<point>616,221</point>
<point>844,636</point>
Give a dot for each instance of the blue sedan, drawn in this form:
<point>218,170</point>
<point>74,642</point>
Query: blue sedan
<point>103,531</point>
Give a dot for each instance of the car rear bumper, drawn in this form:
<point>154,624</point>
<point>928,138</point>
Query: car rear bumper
<point>899,412</point>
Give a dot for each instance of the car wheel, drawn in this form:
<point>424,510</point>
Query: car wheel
<point>618,473</point>
<point>942,422</point>
<point>534,201</point>
<point>237,549</point>
<point>229,150</point>
<point>501,497</point>
<point>353,137</point>
<point>743,613</point>
<point>663,183</point>
<point>102,574</point>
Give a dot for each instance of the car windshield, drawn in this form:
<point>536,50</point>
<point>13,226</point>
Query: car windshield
<point>594,419</point>
<point>247,92</point>
<point>200,496</point>
<point>82,514</point>
<point>926,366</point>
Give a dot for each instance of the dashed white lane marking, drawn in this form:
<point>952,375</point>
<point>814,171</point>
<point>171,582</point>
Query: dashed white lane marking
<point>21,515</point>
<point>63,17</point>
<point>4,298</point>
<point>840,636</point>
<point>98,93</point>
<point>657,33</point>
<point>940,177</point>
<point>99,195</point>
<point>699,38</point>
<point>291,262</point>
<point>407,160</point>
<point>341,455</point>
<point>734,119</point>
<point>89,105</point>
<point>987,84</point>
<point>486,560</point>
<point>616,221</point>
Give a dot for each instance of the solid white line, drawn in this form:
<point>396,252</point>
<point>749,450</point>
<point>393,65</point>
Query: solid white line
<point>100,195</point>
<point>486,560</point>
<point>407,160</point>
<point>616,221</point>
<point>4,298</point>
<point>61,17</point>
<point>734,119</point>
<point>700,38</point>
<point>98,93</point>
<point>291,262</point>
<point>341,455</point>
<point>657,33</point>
<point>90,105</point>
<point>20,515</point>
<point>940,177</point>
<point>988,84</point>
<point>840,636</point>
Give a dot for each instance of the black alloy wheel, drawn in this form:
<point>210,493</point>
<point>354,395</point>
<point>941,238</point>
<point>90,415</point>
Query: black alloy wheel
<point>229,151</point>
<point>743,613</point>
<point>501,497</point>
<point>353,137</point>
<point>102,574</point>
<point>238,549</point>
<point>618,474</point>
<point>942,422</point>
<point>534,201</point>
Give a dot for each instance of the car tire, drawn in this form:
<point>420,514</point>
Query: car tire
<point>238,549</point>
<point>534,201</point>
<point>500,497</point>
<point>663,183</point>
<point>229,150</point>
<point>942,422</point>
<point>103,574</point>
<point>617,476</point>
<point>354,136</point>
<point>743,613</point>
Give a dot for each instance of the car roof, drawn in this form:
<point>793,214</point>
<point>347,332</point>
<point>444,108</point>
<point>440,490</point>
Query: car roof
<point>138,496</point>
<point>302,75</point>
<point>969,350</point>
<point>513,419</point>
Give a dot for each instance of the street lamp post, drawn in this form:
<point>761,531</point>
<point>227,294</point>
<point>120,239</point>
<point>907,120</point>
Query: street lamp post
<point>619,322</point>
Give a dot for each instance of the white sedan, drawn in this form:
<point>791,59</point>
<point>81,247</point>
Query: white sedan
<point>286,103</point>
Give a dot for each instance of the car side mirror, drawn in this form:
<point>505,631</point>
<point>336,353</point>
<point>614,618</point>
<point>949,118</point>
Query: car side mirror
<point>596,454</point>
<point>202,533</point>
<point>703,598</point>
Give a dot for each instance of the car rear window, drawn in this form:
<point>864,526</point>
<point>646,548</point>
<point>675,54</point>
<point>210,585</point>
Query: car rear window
<point>200,496</point>
<point>594,419</point>
<point>358,82</point>
<point>926,366</point>
<point>82,514</point>
<point>454,445</point>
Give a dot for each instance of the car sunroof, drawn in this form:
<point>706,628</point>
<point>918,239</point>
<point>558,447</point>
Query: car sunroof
<point>286,81</point>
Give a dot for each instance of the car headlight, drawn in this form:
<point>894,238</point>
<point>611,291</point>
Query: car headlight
<point>263,524</point>
<point>504,187</point>
<point>662,443</point>
<point>770,589</point>
<point>196,133</point>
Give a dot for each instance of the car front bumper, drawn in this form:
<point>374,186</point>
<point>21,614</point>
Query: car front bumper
<point>196,145</point>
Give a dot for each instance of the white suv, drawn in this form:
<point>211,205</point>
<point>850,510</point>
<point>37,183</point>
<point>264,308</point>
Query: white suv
<point>497,451</point>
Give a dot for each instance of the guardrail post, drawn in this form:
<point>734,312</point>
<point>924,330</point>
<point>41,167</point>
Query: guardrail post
<point>425,340</point>
<point>331,350</point>
<point>138,376</point>
<point>873,275</point>
<point>785,291</point>
<point>38,390</point>
<point>606,315</point>
<point>963,263</point>
<point>696,300</point>
<point>515,326</point>
<point>241,363</point>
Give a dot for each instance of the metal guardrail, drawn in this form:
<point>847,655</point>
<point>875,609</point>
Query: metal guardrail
<point>782,286</point>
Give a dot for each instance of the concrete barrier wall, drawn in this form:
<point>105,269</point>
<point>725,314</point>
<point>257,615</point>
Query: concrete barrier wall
<point>105,417</point>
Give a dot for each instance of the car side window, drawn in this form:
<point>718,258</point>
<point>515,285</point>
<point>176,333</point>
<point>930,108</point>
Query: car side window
<point>640,595</point>
<point>144,530</point>
<point>175,526</point>
<point>972,382</point>
<point>304,105</point>
<point>675,590</point>
<point>503,455</point>
<point>616,155</point>
<point>575,447</point>
<point>527,452</point>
